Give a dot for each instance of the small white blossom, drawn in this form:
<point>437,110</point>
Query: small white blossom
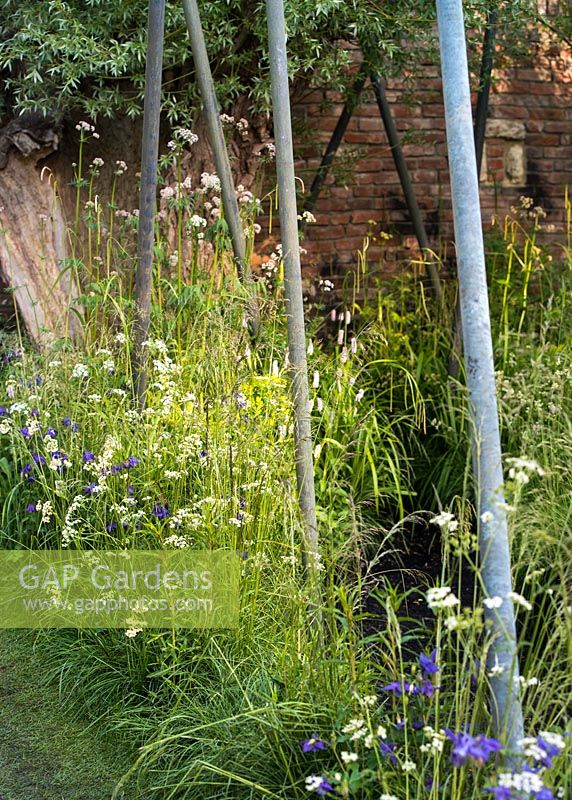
<point>441,597</point>
<point>519,600</point>
<point>493,602</point>
<point>80,371</point>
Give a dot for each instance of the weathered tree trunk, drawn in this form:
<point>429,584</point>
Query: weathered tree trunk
<point>38,205</point>
<point>33,231</point>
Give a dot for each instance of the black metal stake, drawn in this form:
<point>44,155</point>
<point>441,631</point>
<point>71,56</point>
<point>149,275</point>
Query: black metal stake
<point>334,143</point>
<point>148,195</point>
<point>406,184</point>
<point>482,108</point>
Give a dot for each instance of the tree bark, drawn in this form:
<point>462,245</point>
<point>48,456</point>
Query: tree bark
<point>33,230</point>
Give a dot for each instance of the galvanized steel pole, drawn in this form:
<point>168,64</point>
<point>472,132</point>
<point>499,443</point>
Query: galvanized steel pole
<point>212,113</point>
<point>148,195</point>
<point>493,533</point>
<point>293,281</point>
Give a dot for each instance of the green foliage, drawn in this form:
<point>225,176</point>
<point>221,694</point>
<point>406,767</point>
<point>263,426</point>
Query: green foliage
<point>63,55</point>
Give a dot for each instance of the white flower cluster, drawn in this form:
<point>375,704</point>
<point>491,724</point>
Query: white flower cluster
<point>69,531</point>
<point>441,597</point>
<point>436,741</point>
<point>86,127</point>
<point>446,521</point>
<point>196,221</point>
<point>180,542</point>
<point>525,782</point>
<point>522,468</point>
<point>187,518</point>
<point>80,371</point>
<point>210,181</point>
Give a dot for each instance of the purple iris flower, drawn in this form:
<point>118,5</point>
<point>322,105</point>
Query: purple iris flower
<point>25,432</point>
<point>323,787</point>
<point>160,511</point>
<point>550,751</point>
<point>466,746</point>
<point>88,456</point>
<point>500,792</point>
<point>52,433</point>
<point>387,749</point>
<point>429,663</point>
<point>39,459</point>
<point>132,461</point>
<point>66,422</point>
<point>63,457</point>
<point>74,427</point>
<point>313,744</point>
<point>397,688</point>
<point>91,488</point>
<point>240,400</point>
<point>3,411</point>
<point>34,412</point>
<point>427,688</point>
<point>26,469</point>
<point>543,794</point>
<point>111,526</point>
<point>30,508</point>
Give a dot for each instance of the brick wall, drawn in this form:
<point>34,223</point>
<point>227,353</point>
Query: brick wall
<point>528,151</point>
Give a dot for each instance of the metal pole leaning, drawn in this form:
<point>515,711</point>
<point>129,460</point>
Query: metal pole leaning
<point>212,113</point>
<point>479,130</point>
<point>293,285</point>
<point>494,550</point>
<point>482,109</point>
<point>406,185</point>
<point>148,195</point>
<point>334,143</point>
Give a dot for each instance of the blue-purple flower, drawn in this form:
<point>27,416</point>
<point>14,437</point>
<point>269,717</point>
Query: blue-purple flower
<point>26,472</point>
<point>466,746</point>
<point>387,749</point>
<point>31,508</point>
<point>397,688</point>
<point>52,433</point>
<point>160,511</point>
<point>313,744</point>
<point>88,456</point>
<point>319,785</point>
<point>429,663</point>
<point>427,688</point>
